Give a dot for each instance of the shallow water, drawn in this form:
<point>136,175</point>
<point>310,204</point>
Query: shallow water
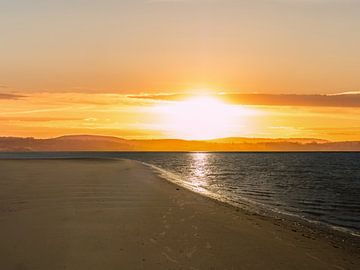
<point>320,187</point>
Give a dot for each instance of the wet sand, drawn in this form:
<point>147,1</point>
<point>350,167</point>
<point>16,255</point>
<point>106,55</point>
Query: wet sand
<point>118,214</point>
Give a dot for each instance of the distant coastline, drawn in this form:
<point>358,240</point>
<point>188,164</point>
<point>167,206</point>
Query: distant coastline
<point>108,143</point>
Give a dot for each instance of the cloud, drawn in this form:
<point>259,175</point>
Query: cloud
<point>350,99</point>
<point>38,119</point>
<point>10,96</point>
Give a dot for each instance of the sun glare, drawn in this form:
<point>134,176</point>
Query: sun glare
<point>200,118</point>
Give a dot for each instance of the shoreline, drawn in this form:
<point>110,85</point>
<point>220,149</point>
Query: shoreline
<point>56,205</point>
<point>341,236</point>
<point>309,228</point>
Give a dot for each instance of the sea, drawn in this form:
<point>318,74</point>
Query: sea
<point>320,188</point>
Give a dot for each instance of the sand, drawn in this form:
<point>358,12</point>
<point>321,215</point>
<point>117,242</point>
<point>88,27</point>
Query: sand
<point>118,214</point>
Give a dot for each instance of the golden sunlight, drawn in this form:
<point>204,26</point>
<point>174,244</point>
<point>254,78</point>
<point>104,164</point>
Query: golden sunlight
<point>201,118</point>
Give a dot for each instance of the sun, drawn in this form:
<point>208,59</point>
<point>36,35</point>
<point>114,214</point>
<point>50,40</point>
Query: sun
<point>198,118</point>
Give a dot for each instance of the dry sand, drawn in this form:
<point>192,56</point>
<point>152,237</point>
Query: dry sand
<point>117,214</point>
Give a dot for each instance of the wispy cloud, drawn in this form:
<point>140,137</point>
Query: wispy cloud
<point>39,119</point>
<point>10,96</point>
<point>348,99</point>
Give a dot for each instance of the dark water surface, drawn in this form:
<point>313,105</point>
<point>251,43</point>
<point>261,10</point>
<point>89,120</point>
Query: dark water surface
<point>318,187</point>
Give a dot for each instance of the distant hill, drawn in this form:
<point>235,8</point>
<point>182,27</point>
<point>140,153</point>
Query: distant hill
<point>107,143</point>
<point>269,140</point>
<point>65,143</point>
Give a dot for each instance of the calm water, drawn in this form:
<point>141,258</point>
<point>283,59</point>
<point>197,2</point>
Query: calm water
<point>320,187</point>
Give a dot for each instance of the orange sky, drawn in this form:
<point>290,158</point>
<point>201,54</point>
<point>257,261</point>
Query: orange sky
<point>54,114</point>
<point>67,67</point>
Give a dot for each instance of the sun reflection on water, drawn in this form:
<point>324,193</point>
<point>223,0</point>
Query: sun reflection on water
<point>200,169</point>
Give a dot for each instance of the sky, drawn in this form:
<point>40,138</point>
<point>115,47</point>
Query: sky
<point>281,68</point>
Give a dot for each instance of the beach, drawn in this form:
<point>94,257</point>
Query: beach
<point>119,214</point>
